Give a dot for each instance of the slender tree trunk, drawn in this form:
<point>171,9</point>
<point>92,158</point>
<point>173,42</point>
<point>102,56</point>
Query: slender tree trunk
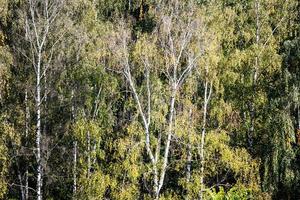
<point>27,116</point>
<point>203,132</point>
<point>155,178</point>
<point>21,185</point>
<point>74,149</point>
<point>255,75</point>
<point>129,5</point>
<point>168,142</point>
<point>93,151</point>
<point>26,184</point>
<point>298,117</point>
<point>89,153</point>
<point>74,168</point>
<point>257,37</point>
<point>189,162</point>
<point>207,95</point>
<point>189,154</point>
<point>38,128</point>
<point>157,155</point>
<point>45,102</point>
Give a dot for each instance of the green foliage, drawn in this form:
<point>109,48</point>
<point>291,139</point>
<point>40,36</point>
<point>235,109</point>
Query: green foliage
<point>93,187</point>
<point>246,52</point>
<point>4,164</point>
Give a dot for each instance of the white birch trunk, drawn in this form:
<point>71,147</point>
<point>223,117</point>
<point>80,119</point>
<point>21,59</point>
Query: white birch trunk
<point>27,116</point>
<point>298,117</point>
<point>37,30</point>
<point>21,185</point>
<point>168,142</point>
<point>38,128</point>
<point>89,153</point>
<point>74,169</point>
<point>74,149</point>
<point>189,154</point>
<point>207,95</point>
<point>255,75</point>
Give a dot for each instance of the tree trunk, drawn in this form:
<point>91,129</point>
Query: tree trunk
<point>74,148</point>
<point>89,153</point>
<point>189,154</point>
<point>298,117</point>
<point>27,116</point>
<point>40,15</point>
<point>75,168</point>
<point>26,184</point>
<point>255,75</point>
<point>21,185</point>
<point>38,128</point>
<point>168,142</point>
<point>207,95</point>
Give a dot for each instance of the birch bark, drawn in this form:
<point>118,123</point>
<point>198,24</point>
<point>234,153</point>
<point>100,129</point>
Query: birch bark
<point>207,96</point>
<point>40,16</point>
<point>174,39</point>
<point>255,75</point>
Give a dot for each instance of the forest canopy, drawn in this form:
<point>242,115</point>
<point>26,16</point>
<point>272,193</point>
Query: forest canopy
<point>149,99</point>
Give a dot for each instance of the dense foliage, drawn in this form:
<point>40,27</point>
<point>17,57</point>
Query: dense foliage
<point>149,99</point>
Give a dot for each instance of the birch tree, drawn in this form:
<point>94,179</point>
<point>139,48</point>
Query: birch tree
<point>122,99</point>
<point>40,17</point>
<point>177,36</point>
